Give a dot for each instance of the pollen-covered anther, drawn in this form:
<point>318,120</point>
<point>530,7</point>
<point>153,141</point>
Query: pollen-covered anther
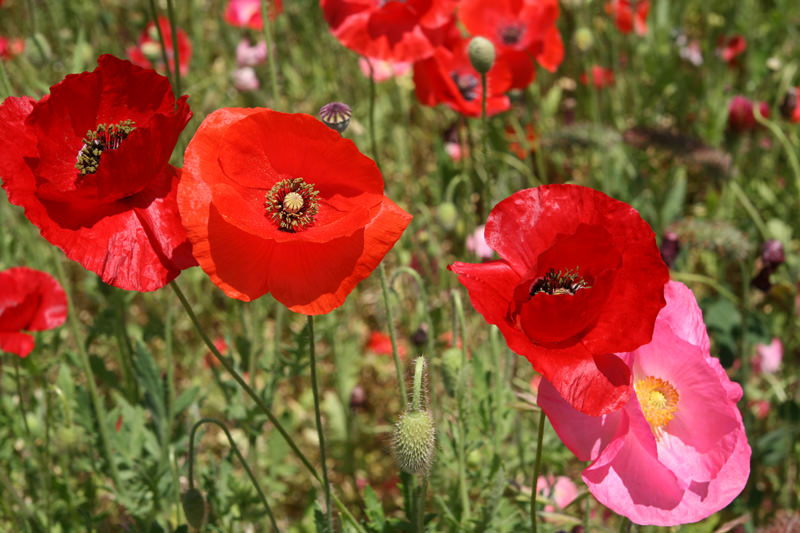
<point>567,281</point>
<point>292,204</point>
<point>658,400</point>
<point>104,137</point>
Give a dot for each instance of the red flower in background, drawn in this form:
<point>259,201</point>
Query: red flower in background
<point>88,162</point>
<point>795,117</point>
<point>580,278</point>
<point>30,300</point>
<point>394,30</point>
<point>11,47</point>
<point>600,77</point>
<point>740,113</point>
<point>280,203</point>
<point>521,30</point>
<point>381,344</point>
<point>729,48</point>
<point>247,13</point>
<point>449,78</point>
<point>515,144</point>
<point>629,15</point>
<point>147,52</point>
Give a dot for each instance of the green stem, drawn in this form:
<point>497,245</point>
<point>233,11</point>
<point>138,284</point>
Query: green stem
<point>22,411</point>
<point>321,435</point>
<point>242,383</point>
<point>168,347</point>
<point>6,82</point>
<point>421,496</point>
<point>423,296</point>
<point>273,77</point>
<point>401,382</point>
<point>97,403</point>
<point>372,134</point>
<point>791,152</point>
<point>164,48</point>
<point>419,372</point>
<point>536,465</point>
<point>176,60</point>
<point>238,454</point>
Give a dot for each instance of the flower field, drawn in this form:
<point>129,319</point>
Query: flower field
<point>386,266</point>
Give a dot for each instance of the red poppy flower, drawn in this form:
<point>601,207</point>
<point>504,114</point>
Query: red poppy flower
<point>30,300</point>
<point>795,109</point>
<point>11,47</point>
<point>88,162</point>
<point>729,48</point>
<point>580,278</point>
<point>449,78</point>
<point>629,15</point>
<point>600,77</point>
<point>381,344</point>
<point>740,113</point>
<point>280,203</point>
<point>394,30</point>
<point>147,52</point>
<point>520,30</point>
<point>247,13</point>
<point>515,145</point>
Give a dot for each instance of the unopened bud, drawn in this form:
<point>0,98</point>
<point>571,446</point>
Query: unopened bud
<point>194,507</point>
<point>481,54</point>
<point>358,397</point>
<point>772,254</point>
<point>583,39</point>
<point>420,336</point>
<point>414,441</point>
<point>670,247</point>
<point>447,215</point>
<point>336,115</point>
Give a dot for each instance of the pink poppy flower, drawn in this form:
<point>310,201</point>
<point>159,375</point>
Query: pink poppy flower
<point>677,451</point>
<point>476,243</point>
<point>245,79</point>
<point>248,55</point>
<point>247,13</point>
<point>11,47</point>
<point>730,48</point>
<point>560,489</point>
<point>383,70</point>
<point>769,356</point>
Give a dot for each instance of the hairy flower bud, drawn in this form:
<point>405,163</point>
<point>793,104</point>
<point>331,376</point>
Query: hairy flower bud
<point>414,441</point>
<point>481,54</point>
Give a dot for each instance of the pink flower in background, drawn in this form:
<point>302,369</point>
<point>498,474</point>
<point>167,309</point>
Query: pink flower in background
<point>769,356</point>
<point>245,79</point>
<point>147,52</point>
<point>729,48</point>
<point>454,150</point>
<point>740,113</point>
<point>383,70</point>
<point>248,55</point>
<point>11,47</point>
<point>560,489</point>
<point>247,13</point>
<point>677,451</point>
<point>476,243</point>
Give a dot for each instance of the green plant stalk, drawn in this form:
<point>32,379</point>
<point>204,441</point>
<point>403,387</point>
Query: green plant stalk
<point>419,369</point>
<point>241,460</point>
<point>372,134</point>
<point>320,434</point>
<point>421,493</point>
<point>164,47</point>
<point>536,465</point>
<point>423,296</point>
<point>272,64</point>
<point>168,350</point>
<point>22,411</point>
<point>175,58</point>
<point>6,83</point>
<point>401,382</point>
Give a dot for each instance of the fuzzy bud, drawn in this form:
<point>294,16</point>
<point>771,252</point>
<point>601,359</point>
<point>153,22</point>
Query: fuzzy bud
<point>451,368</point>
<point>336,115</point>
<point>481,54</point>
<point>447,215</point>
<point>194,507</point>
<point>414,441</point>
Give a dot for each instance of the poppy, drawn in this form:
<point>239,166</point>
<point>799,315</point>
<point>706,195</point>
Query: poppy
<point>729,48</point>
<point>515,146</point>
<point>677,451</point>
<point>88,162</point>
<point>629,15</point>
<point>449,78</point>
<point>741,116</point>
<point>147,52</point>
<point>247,13</point>
<point>30,300</point>
<point>394,30</point>
<point>599,77</point>
<point>381,344</point>
<point>11,47</point>
<point>580,278</point>
<point>520,31</point>
<point>280,203</point>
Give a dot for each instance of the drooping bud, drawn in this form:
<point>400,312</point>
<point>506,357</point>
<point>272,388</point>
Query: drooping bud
<point>670,247</point>
<point>336,115</point>
<point>194,507</point>
<point>481,54</point>
<point>451,369</point>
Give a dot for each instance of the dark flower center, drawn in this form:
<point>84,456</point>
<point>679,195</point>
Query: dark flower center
<point>104,137</point>
<point>567,281</point>
<point>292,204</point>
<point>510,35</point>
<point>467,85</point>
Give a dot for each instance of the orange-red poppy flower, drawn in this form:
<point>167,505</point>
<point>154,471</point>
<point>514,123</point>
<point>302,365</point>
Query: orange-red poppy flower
<point>89,163</point>
<point>280,203</point>
<point>147,52</point>
<point>629,15</point>
<point>30,300</point>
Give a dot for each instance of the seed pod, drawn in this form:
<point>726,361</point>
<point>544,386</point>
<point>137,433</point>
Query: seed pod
<point>414,442</point>
<point>481,54</point>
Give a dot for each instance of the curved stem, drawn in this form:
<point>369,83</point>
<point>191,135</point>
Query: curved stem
<point>537,463</point>
<point>401,382</point>
<point>97,403</point>
<point>271,61</point>
<point>238,454</point>
<point>320,433</point>
<point>423,296</point>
